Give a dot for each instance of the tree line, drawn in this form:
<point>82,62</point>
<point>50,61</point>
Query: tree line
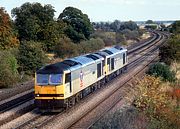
<point>34,32</point>
<point>126,30</point>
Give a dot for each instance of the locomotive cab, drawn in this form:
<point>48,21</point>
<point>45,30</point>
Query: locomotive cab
<point>49,87</point>
<point>48,84</point>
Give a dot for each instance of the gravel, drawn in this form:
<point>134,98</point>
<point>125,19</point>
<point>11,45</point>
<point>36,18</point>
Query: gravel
<point>15,112</point>
<point>19,88</point>
<point>20,120</point>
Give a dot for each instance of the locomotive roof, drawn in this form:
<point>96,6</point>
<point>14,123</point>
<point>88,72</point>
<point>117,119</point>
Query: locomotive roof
<point>69,64</point>
<point>83,60</point>
<point>110,51</point>
<point>56,68</point>
<point>100,57</point>
<point>76,62</point>
<point>116,50</point>
<point>102,53</point>
<point>119,47</point>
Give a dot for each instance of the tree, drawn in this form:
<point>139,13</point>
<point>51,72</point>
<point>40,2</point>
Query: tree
<point>78,24</point>
<point>115,25</point>
<point>52,33</point>
<point>130,25</point>
<point>104,26</point>
<point>149,22</point>
<point>31,56</point>
<point>8,37</point>
<point>36,22</point>
<point>162,25</point>
<point>8,69</point>
<point>151,26</point>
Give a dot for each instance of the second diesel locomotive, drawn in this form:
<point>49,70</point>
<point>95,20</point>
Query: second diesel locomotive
<point>62,84</point>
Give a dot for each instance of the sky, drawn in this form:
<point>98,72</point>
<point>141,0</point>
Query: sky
<point>110,10</point>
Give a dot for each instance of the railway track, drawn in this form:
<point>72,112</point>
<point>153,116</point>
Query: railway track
<point>101,113</point>
<point>40,118</point>
<point>88,120</point>
<point>36,120</point>
<point>14,101</point>
<point>111,105</point>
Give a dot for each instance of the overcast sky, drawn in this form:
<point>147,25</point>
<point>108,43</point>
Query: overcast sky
<point>109,10</point>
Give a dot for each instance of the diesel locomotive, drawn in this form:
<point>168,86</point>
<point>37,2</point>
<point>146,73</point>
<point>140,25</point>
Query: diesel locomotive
<point>62,84</point>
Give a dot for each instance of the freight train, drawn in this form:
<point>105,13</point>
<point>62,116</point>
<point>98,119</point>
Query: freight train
<point>63,84</point>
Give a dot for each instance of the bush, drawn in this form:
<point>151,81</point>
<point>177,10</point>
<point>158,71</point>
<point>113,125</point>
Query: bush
<point>156,104</point>
<point>109,38</point>
<point>90,45</point>
<point>120,119</point>
<point>133,35</point>
<point>65,48</point>
<point>171,50</point>
<point>120,38</point>
<point>97,43</point>
<point>8,69</point>
<point>31,56</point>
<point>162,70</point>
<point>176,27</point>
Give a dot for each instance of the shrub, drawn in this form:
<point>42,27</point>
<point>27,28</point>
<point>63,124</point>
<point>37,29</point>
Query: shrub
<point>90,45</point>
<point>156,104</point>
<point>162,70</point>
<point>109,38</point>
<point>170,51</point>
<point>31,56</point>
<point>133,35</point>
<point>65,48</point>
<point>120,37</point>
<point>120,119</point>
<point>176,27</point>
<point>97,43</point>
<point>8,69</point>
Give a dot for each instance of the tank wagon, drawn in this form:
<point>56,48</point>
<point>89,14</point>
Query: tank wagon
<point>62,84</point>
